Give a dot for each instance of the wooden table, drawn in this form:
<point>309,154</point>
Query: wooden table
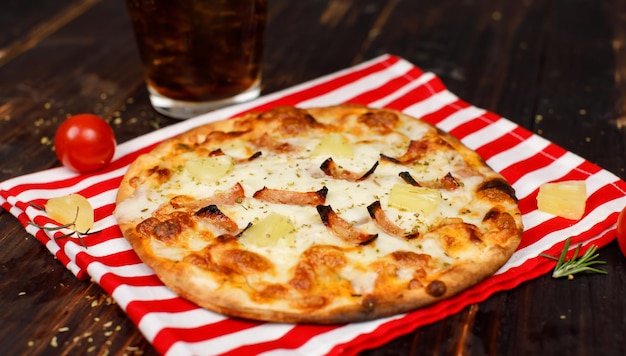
<point>556,67</point>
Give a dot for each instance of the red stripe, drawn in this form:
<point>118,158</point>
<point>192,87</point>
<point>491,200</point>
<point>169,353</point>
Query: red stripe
<point>36,203</point>
<point>417,94</point>
<point>110,281</point>
<point>137,309</point>
<point>115,259</point>
<point>293,339</point>
<point>538,232</point>
<point>168,336</point>
<point>533,163</point>
<point>443,113</point>
<point>504,143</point>
<point>70,182</point>
<point>328,86</point>
<point>529,203</point>
<point>606,193</point>
<point>103,211</point>
<point>173,305</point>
<point>44,239</point>
<point>386,89</point>
<point>469,127</point>
<point>99,236</point>
<point>110,184</point>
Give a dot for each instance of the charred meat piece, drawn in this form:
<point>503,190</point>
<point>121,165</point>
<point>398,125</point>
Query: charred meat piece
<point>219,152</point>
<point>408,178</point>
<point>281,196</point>
<point>343,229</point>
<point>334,170</point>
<point>380,218</point>
<point>229,197</point>
<point>419,148</point>
<point>447,182</point>
<point>213,214</point>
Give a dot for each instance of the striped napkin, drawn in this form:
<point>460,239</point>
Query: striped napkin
<point>177,327</point>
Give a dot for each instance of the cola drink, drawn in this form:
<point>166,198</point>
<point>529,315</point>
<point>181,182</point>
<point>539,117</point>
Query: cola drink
<point>199,54</point>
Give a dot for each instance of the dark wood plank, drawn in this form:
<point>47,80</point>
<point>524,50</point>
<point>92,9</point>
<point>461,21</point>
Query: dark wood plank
<point>71,71</point>
<point>322,37</point>
<point>24,23</point>
<point>88,64</point>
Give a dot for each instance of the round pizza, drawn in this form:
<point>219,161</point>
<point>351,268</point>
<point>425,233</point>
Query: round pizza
<point>317,215</point>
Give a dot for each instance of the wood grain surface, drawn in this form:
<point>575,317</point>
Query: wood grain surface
<point>556,67</point>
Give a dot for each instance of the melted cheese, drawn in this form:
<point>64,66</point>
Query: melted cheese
<point>300,171</point>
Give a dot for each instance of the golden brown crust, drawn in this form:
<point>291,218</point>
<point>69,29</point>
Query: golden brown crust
<point>203,249</point>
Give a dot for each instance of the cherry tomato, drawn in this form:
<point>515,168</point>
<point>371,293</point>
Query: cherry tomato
<point>84,143</point>
<point>621,231</point>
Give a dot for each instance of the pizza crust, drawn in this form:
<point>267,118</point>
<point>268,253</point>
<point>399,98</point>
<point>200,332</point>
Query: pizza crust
<point>314,289</point>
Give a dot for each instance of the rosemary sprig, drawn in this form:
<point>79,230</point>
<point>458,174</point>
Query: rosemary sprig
<point>576,264</point>
<point>70,225</point>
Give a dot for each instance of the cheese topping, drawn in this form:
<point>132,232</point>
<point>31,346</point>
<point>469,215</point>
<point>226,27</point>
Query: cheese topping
<point>360,203</point>
<point>300,171</point>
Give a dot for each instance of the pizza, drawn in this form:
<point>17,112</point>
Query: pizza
<point>317,215</point>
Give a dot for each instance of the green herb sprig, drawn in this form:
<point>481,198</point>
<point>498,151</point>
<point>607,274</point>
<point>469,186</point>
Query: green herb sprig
<point>576,264</point>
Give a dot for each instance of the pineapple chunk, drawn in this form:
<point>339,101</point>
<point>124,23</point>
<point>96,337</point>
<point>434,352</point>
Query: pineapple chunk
<point>270,231</point>
<point>209,168</point>
<point>334,145</point>
<point>72,208</point>
<point>410,198</point>
<point>565,199</point>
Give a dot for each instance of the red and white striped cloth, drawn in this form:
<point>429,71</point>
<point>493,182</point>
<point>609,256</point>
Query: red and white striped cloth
<point>177,327</point>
